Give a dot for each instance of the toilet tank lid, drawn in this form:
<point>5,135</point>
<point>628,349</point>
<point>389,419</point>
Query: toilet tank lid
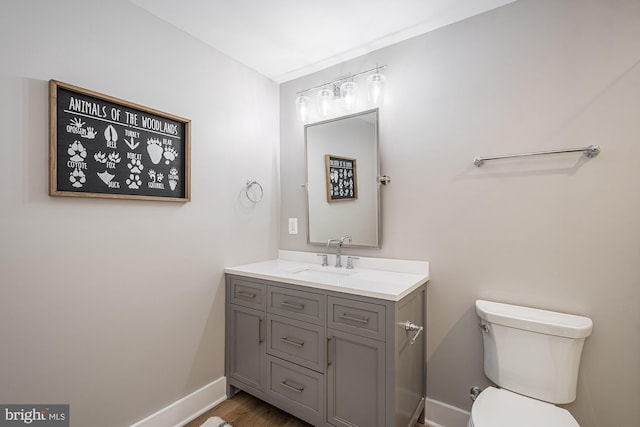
<point>533,319</point>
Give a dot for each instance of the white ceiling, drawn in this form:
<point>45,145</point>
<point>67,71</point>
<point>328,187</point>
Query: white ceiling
<point>286,39</point>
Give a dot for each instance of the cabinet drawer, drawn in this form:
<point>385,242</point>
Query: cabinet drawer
<point>301,305</point>
<point>247,293</point>
<point>295,341</point>
<point>362,318</point>
<point>301,390</point>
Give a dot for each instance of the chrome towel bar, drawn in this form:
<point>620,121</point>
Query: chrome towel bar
<point>590,151</point>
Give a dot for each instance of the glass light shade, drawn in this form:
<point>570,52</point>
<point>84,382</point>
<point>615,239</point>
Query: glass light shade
<point>376,88</point>
<point>348,92</point>
<point>303,103</point>
<point>325,102</point>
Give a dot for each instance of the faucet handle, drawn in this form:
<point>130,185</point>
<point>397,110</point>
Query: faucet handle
<point>350,261</point>
<point>325,261</point>
<point>332,241</point>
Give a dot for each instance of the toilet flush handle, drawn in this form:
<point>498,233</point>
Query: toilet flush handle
<point>474,393</point>
<point>410,326</point>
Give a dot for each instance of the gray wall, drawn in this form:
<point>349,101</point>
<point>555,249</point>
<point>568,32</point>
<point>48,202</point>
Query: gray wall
<point>117,306</point>
<point>560,232</point>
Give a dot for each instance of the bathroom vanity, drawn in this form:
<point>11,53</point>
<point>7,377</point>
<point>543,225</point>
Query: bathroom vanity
<point>334,347</point>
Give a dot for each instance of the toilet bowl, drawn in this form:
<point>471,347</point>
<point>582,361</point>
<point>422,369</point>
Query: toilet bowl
<point>496,407</point>
<point>533,356</point>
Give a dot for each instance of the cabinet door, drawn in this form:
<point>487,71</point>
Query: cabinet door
<point>355,380</point>
<point>247,352</point>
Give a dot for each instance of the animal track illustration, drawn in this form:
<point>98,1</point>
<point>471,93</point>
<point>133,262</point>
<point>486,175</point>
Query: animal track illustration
<point>110,134</point>
<point>155,177</point>
<point>154,148</point>
<point>100,157</point>
<point>77,178</point>
<point>135,166</point>
<point>170,154</point>
<point>173,178</point>
<point>91,133</point>
<point>77,122</point>
<point>105,176</point>
<point>134,181</point>
<point>132,144</point>
<point>114,157</point>
<point>77,152</point>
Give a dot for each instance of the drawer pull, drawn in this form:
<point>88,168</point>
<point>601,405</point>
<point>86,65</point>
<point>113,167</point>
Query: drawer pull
<point>294,343</point>
<point>363,320</point>
<point>292,305</point>
<point>292,388</point>
<point>245,294</point>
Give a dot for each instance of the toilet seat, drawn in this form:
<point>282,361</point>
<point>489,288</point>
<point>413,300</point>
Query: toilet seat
<point>496,407</point>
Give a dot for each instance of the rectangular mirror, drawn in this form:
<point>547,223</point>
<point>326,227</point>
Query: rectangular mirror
<point>343,191</point>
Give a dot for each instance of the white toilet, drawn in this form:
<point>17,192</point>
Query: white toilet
<point>533,356</point>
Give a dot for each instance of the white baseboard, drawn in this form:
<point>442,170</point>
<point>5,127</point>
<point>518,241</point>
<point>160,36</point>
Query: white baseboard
<point>180,412</point>
<point>189,407</point>
<point>439,414</point>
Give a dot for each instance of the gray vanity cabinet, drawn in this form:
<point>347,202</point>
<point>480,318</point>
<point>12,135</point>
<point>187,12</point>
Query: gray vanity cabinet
<point>329,358</point>
<point>245,347</point>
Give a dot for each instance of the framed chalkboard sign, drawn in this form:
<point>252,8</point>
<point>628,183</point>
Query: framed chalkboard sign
<point>342,182</point>
<point>101,146</point>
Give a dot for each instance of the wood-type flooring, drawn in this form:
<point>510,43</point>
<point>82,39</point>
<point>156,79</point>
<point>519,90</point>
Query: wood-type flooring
<point>245,410</point>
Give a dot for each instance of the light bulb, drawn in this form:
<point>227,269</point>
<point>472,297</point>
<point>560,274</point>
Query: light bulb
<point>303,103</point>
<point>325,105</point>
<point>376,88</point>
<point>348,92</point>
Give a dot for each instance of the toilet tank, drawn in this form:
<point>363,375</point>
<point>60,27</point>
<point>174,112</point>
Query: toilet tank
<point>532,352</point>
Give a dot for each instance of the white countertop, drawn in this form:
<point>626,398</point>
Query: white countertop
<point>384,278</point>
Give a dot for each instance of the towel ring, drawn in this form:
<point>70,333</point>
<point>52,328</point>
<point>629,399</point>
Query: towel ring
<point>247,192</point>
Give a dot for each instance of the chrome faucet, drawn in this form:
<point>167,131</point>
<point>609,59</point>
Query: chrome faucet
<point>338,242</point>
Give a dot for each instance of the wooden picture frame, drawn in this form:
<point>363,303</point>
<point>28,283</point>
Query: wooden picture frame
<point>105,147</point>
<point>342,182</point>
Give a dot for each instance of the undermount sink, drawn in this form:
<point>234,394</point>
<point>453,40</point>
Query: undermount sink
<point>315,270</point>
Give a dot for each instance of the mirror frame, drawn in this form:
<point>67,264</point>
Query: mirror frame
<point>378,209</point>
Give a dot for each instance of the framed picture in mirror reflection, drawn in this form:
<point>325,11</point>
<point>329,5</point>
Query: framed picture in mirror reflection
<point>342,184</point>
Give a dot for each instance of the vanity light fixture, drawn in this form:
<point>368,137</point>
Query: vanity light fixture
<point>376,88</point>
<point>348,91</point>
<point>303,104</point>
<point>325,102</point>
<point>344,90</point>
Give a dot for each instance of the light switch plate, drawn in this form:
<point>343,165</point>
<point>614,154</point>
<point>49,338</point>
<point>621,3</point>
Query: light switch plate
<point>293,225</point>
